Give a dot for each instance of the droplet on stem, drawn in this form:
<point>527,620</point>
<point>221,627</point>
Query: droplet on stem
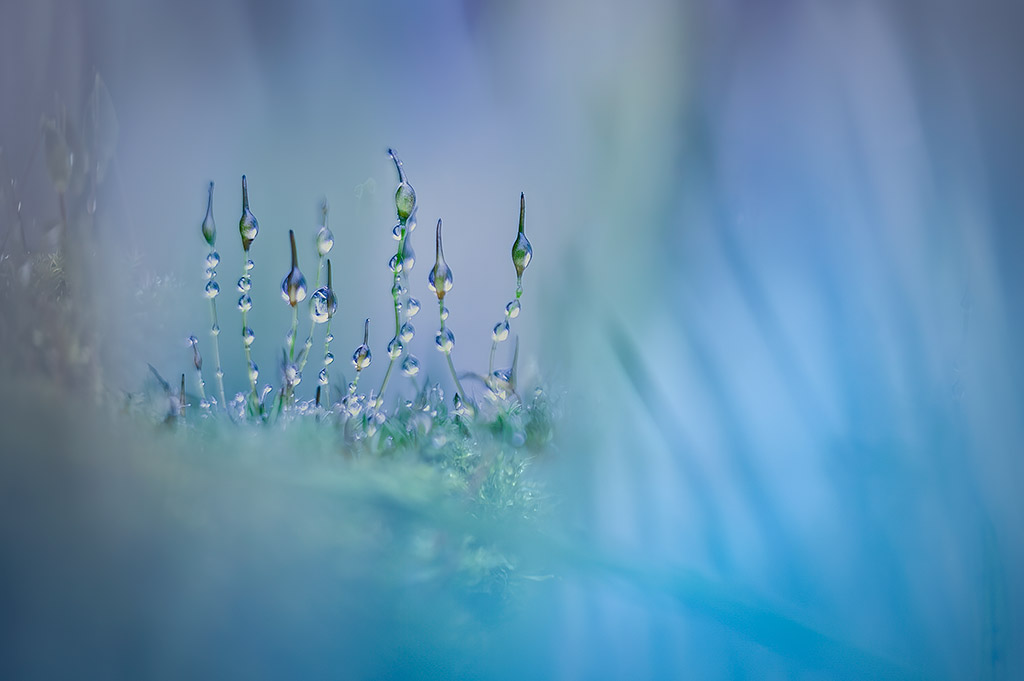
<point>440,278</point>
<point>293,286</point>
<point>248,227</point>
<point>209,226</point>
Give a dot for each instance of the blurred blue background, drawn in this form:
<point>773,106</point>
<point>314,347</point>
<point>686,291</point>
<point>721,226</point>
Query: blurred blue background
<point>776,285</point>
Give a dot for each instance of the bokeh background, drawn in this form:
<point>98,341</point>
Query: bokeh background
<point>776,287</point>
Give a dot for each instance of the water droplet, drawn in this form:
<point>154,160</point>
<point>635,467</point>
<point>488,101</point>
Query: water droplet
<point>248,336</point>
<point>329,358</point>
<point>209,274</point>
<point>254,372</point>
<point>410,222</point>
<point>212,289</point>
<point>209,226</point>
<point>445,340</point>
<point>292,375</point>
<point>444,314</point>
<point>249,264</point>
<point>408,257</point>
<point>248,227</point>
<point>410,366</point>
<point>395,264</point>
<point>361,358</point>
<point>395,348</point>
<point>244,303</point>
<point>267,389</point>
<point>500,331</point>
<point>406,332</point>
<point>396,232</point>
<point>512,309</point>
<point>405,200</point>
<point>522,252</point>
<point>323,376</point>
<point>213,259</point>
<point>329,338</point>
<point>324,241</point>
<point>412,307</point>
<point>215,329</point>
<point>293,286</point>
<point>440,278</point>
<point>324,305</point>
<point>244,284</point>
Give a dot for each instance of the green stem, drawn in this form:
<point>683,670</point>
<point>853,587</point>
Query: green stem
<point>448,354</point>
<point>312,324</point>
<point>400,253</point>
<point>215,333</point>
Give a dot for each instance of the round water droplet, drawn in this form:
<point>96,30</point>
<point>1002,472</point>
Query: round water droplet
<point>293,287</point>
<point>351,388</point>
<point>361,358</point>
<point>254,372</point>
<point>249,264</point>
<point>441,273</point>
<point>329,338</point>
<point>244,303</point>
<point>323,376</point>
<point>407,332</point>
<point>244,284</point>
<point>500,331</point>
<point>192,340</point>
<point>522,253</point>
<point>212,289</point>
<point>324,305</point>
<point>395,348</point>
<point>395,264</point>
<point>412,306</point>
<point>209,274</point>
<point>324,241</point>
<point>396,233</point>
<point>445,340</point>
<point>329,358</point>
<point>213,259</point>
<point>444,314</point>
<point>248,336</point>
<point>410,366</point>
<point>512,309</point>
<point>292,375</point>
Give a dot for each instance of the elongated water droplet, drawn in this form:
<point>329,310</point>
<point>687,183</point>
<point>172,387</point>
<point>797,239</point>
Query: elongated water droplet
<point>444,314</point>
<point>329,337</point>
<point>324,241</point>
<point>244,302</point>
<point>248,336</point>
<point>410,222</point>
<point>249,264</point>
<point>395,265</point>
<point>197,359</point>
<point>254,372</point>
<point>397,232</point>
<point>248,226</point>
<point>405,196</point>
<point>212,289</point>
<point>512,309</point>
<point>293,286</point>
<point>361,358</point>
<point>213,259</point>
<point>395,348</point>
<point>209,226</point>
<point>445,340</point>
<point>500,331</point>
<point>329,358</point>
<point>267,389</point>
<point>408,257</point>
<point>522,252</point>
<point>244,284</point>
<point>323,376</point>
<point>412,306</point>
<point>406,332</point>
<point>324,305</point>
<point>440,278</point>
<point>410,365</point>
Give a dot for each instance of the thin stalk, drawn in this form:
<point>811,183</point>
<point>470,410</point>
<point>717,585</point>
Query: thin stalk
<point>448,354</point>
<point>394,294</point>
<point>245,325</point>
<point>312,324</point>
<point>215,334</point>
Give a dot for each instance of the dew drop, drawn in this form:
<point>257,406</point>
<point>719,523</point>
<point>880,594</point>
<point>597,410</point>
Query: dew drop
<point>444,314</point>
<point>395,264</point>
<point>292,375</point>
<point>323,376</point>
<point>244,284</point>
<point>244,303</point>
<point>324,241</point>
<point>445,340</point>
<point>512,309</point>
<point>410,366</point>
<point>212,289</point>
<point>324,305</point>
<point>249,264</point>
<point>254,372</point>
<point>406,332</point>
<point>213,259</point>
<point>329,337</point>
<point>396,233</point>
<point>395,348</point>
<point>412,307</point>
<point>248,336</point>
<point>361,358</point>
<point>500,331</point>
<point>329,358</point>
<point>215,329</point>
<point>408,257</point>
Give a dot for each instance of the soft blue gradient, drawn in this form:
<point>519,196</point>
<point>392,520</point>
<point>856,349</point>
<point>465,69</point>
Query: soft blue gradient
<point>776,285</point>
